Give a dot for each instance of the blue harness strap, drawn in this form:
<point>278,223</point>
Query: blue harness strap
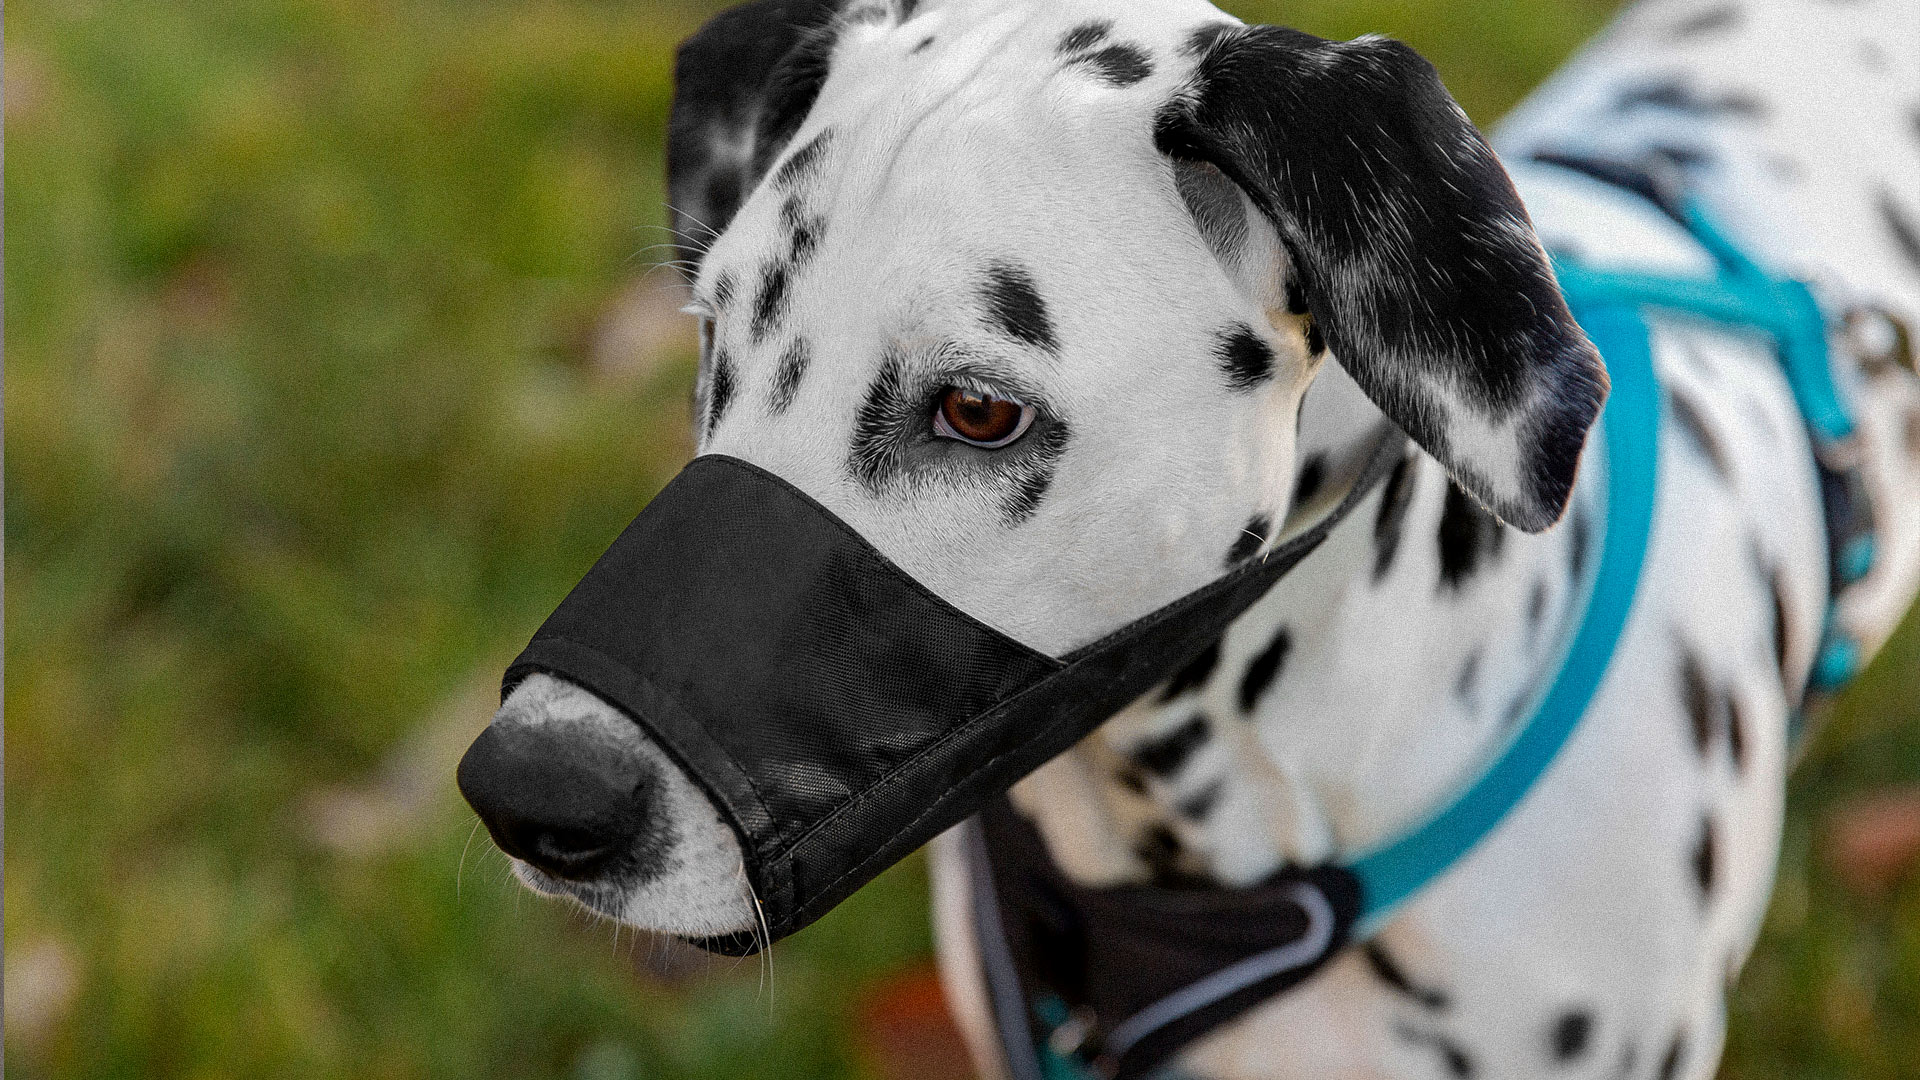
<point>1631,421</point>
<point>1611,307</point>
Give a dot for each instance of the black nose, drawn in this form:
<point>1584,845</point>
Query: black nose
<point>576,806</point>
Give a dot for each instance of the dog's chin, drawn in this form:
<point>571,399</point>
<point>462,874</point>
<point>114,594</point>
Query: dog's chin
<point>691,909</point>
<point>709,903</point>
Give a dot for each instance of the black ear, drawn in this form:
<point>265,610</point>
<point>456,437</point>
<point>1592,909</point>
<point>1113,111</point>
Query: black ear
<point>1418,262</point>
<point>742,86</point>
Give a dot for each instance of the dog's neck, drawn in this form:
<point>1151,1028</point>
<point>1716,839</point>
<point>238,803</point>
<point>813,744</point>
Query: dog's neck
<point>1365,687</point>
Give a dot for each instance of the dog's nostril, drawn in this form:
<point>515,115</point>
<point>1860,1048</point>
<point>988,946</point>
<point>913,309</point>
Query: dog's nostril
<point>553,796</point>
<point>569,852</point>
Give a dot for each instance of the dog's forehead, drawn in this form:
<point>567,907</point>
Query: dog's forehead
<point>986,104</point>
<point>971,135</point>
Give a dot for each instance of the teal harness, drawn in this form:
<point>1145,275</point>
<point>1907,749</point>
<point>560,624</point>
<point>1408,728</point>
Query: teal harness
<point>1611,306</point>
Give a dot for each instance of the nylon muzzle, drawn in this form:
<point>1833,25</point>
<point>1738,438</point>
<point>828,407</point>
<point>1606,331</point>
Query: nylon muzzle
<point>838,712</point>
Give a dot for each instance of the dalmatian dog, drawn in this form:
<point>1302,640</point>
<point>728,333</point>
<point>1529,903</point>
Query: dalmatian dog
<point>1069,305</point>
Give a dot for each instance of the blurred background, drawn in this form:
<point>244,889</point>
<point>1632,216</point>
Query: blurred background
<point>335,352</point>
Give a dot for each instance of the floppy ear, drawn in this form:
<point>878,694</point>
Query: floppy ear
<point>1417,262</point>
<point>742,86</point>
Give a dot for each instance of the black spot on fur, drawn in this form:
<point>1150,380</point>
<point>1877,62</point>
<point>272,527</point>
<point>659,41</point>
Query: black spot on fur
<point>804,162</point>
<point>1468,535</point>
<point>1706,858</point>
<point>1131,778</point>
<point>1777,583</point>
<point>1680,157</point>
<point>1463,683</point>
<point>1711,20</point>
<point>1736,732</point>
<point>803,230</point>
<point>1244,356</point>
<point>1698,700</point>
<point>1313,477</point>
<point>1516,710</point>
<point>1676,1053</point>
<point>1395,497</point>
<point>1686,415</point>
<point>719,390</point>
<point>1579,544</point>
<point>1085,36</point>
<point>1015,308</point>
<point>1536,605</point>
<point>875,434</point>
<point>1572,1034</point>
<point>1251,537</point>
<point>922,47</point>
<point>1678,97</point>
<point>1158,846</point>
<point>1458,1063</point>
<point>1118,65</point>
<point>1194,674</point>
<point>770,306</point>
<point>1162,851</point>
<point>1197,806</point>
<point>1033,475</point>
<point>1164,755</point>
<point>1264,668</point>
<point>1906,235</point>
<point>1388,970</point>
<point>788,373</point>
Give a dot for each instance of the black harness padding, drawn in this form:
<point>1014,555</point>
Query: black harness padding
<point>838,713</point>
<point>1136,972</point>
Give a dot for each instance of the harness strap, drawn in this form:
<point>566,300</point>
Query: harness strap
<point>1631,419</point>
<point>1068,1010</point>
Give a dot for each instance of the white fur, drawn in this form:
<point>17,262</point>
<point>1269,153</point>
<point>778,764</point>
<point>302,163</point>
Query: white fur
<point>1583,899</point>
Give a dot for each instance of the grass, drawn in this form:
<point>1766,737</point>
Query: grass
<point>330,365</point>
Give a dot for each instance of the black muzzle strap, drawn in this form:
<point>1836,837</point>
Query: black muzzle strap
<point>838,713</point>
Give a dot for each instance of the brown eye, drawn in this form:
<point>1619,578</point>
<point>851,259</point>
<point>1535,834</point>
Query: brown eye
<point>980,418</point>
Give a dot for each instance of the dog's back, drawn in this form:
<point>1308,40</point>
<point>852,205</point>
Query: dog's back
<point>1798,121</point>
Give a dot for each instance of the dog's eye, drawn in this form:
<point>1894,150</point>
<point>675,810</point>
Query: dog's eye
<point>980,419</point>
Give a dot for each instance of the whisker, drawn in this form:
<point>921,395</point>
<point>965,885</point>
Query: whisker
<point>461,869</point>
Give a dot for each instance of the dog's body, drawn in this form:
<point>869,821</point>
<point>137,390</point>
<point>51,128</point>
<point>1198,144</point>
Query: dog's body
<point>1594,932</point>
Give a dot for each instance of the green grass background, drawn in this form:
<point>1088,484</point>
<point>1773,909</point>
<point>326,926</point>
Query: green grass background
<point>307,428</point>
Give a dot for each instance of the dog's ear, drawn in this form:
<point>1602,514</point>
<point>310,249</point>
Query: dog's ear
<point>742,86</point>
<point>1413,254</point>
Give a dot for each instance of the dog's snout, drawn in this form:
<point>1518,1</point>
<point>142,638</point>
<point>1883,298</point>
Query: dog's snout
<point>575,807</point>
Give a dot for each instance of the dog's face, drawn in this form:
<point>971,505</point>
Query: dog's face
<point>1029,296</point>
<point>971,313</point>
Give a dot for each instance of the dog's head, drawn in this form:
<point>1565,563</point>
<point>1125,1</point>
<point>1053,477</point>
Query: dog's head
<point>1029,295</point>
